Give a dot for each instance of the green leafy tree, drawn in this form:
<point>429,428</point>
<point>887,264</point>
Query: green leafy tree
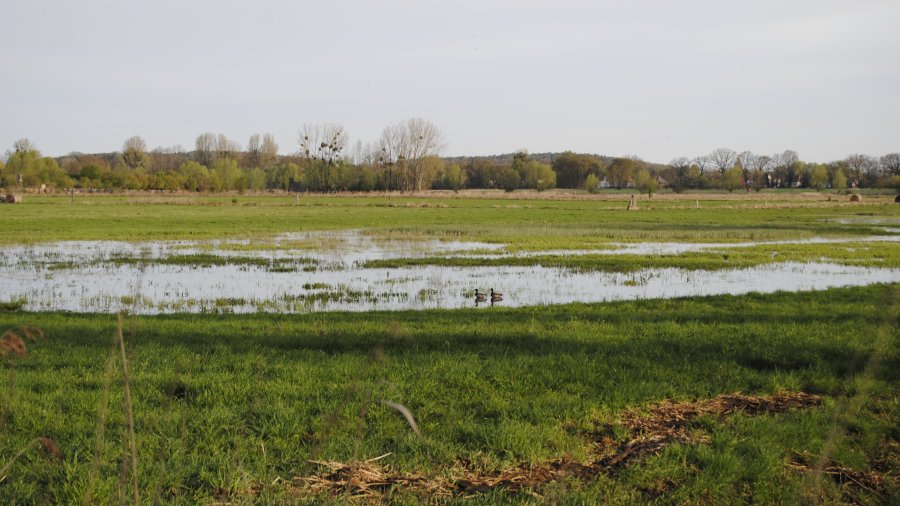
<point>256,179</point>
<point>591,183</point>
<point>367,179</point>
<point>839,180</point>
<point>520,158</point>
<point>682,175</point>
<point>167,180</point>
<point>572,169</point>
<point>195,176</point>
<point>818,177</point>
<point>27,168</point>
<point>454,178</point>
<point>21,166</point>
<point>645,182</point>
<point>511,180</point>
<point>134,153</point>
<point>231,177</point>
<point>283,175</point>
<point>539,176</point>
<point>620,171</point>
<point>483,173</point>
<point>733,179</point>
<point>92,175</point>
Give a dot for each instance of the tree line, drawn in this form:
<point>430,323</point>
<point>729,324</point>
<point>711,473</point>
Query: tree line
<point>406,157</point>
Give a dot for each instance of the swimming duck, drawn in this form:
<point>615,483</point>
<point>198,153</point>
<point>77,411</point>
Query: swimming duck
<point>496,296</point>
<point>479,296</point>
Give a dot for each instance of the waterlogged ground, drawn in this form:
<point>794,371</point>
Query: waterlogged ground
<point>319,271</point>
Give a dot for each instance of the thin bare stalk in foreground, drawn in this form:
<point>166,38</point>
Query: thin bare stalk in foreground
<point>100,433</point>
<point>129,415</point>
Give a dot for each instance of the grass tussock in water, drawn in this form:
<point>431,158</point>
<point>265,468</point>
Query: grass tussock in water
<point>863,254</point>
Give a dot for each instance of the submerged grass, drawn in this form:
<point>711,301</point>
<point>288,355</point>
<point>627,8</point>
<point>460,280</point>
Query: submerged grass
<point>260,396</point>
<point>210,260</point>
<point>864,254</point>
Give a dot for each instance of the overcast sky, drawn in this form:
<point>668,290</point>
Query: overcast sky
<point>654,79</point>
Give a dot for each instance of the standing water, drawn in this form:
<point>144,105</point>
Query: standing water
<point>323,272</point>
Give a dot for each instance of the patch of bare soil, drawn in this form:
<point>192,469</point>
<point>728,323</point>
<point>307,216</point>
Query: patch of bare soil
<point>650,431</point>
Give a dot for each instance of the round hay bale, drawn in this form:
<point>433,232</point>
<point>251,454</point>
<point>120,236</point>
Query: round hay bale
<point>855,198</point>
<point>897,199</point>
<point>13,199</point>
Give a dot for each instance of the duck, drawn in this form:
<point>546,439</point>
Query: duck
<point>496,296</point>
<point>479,296</point>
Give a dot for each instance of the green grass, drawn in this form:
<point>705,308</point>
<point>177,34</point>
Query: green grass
<point>226,405</point>
<point>866,254</point>
<point>524,224</point>
<point>520,224</point>
<point>230,407</point>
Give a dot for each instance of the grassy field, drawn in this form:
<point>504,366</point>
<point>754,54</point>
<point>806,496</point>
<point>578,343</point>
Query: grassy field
<point>539,222</point>
<point>529,405</point>
<point>528,223</point>
<point>234,407</point>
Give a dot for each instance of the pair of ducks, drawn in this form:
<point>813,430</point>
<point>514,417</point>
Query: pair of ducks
<point>481,296</point>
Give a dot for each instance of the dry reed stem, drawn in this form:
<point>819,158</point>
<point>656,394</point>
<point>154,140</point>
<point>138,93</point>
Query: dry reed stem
<point>651,430</point>
<point>129,414</point>
<point>407,415</point>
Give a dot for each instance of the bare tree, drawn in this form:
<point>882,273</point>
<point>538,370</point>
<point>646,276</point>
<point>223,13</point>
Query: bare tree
<point>788,158</point>
<point>872,169</point>
<point>134,143</point>
<point>23,145</point>
<point>723,159</point>
<point>890,164</point>
<point>858,166</point>
<point>322,141</point>
<point>261,151</point>
<point>406,144</point>
<point>204,148</point>
<point>134,153</point>
<point>167,158</point>
<point>764,163</point>
<point>702,162</point>
<point>226,148</point>
<point>268,151</point>
<point>253,156</point>
<point>681,168</point>
<point>322,144</point>
<point>758,168</point>
<point>357,152</point>
<point>746,159</point>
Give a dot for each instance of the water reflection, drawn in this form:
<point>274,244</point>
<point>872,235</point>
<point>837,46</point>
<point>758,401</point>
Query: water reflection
<point>234,288</point>
<point>90,276</point>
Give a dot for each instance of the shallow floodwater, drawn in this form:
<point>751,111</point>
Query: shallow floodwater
<point>323,273</point>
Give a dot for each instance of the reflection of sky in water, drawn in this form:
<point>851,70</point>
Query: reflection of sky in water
<point>89,283</point>
<point>677,248</point>
<point>333,248</point>
<point>346,249</point>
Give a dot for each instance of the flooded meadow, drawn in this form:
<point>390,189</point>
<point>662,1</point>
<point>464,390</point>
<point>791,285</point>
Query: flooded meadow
<point>326,271</point>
